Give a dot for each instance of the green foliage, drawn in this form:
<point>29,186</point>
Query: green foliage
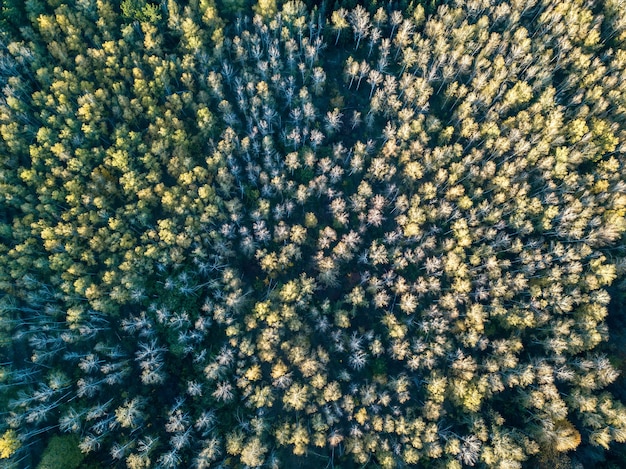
<point>12,14</point>
<point>62,452</point>
<point>141,10</point>
<point>230,10</point>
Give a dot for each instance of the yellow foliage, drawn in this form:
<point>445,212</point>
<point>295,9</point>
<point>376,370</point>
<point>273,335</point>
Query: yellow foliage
<point>254,373</point>
<point>361,416</point>
<point>289,292</point>
<point>567,437</point>
<point>9,444</point>
<point>300,439</point>
<point>265,8</point>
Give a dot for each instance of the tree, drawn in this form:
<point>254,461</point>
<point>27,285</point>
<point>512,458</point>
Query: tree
<point>332,121</point>
<point>351,70</point>
<point>359,20</point>
<point>296,397</point>
<point>364,68</point>
<point>209,453</point>
<point>137,461</point>
<point>62,452</point>
<point>130,414</point>
<point>9,444</point>
<point>374,78</point>
<point>224,392</point>
<point>252,454</point>
<point>319,79</point>
<point>395,20</point>
<point>140,10</point>
<point>265,8</point>
<point>339,21</point>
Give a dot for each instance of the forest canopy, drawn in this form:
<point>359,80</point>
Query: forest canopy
<point>289,234</point>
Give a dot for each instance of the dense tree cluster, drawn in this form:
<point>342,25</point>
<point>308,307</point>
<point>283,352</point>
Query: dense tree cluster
<point>361,235</point>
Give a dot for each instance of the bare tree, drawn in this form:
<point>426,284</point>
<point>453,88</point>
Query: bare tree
<point>359,19</point>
